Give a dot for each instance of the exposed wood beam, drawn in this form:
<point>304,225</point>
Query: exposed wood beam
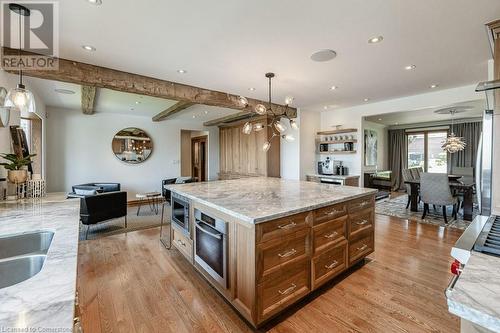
<point>88,99</point>
<point>102,77</point>
<point>177,107</point>
<point>228,119</point>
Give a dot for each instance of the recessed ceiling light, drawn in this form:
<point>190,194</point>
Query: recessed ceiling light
<point>366,99</point>
<point>88,48</point>
<point>410,67</point>
<point>137,102</point>
<point>95,2</point>
<point>375,40</point>
<point>432,86</point>
<point>64,91</point>
<point>323,55</point>
<point>206,112</point>
<point>396,124</point>
<point>194,116</point>
<point>251,89</point>
<point>181,71</point>
<point>379,119</point>
<point>325,107</point>
<point>333,87</point>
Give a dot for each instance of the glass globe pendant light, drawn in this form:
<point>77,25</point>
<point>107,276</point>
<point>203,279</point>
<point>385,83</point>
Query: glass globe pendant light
<point>20,97</point>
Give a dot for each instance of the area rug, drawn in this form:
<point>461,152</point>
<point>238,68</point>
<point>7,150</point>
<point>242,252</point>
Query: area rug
<point>146,219</point>
<point>397,207</point>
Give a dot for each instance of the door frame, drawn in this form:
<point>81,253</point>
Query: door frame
<point>204,139</point>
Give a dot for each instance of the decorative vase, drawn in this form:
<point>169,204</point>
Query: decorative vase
<point>17,176</point>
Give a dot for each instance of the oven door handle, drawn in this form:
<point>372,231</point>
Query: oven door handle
<point>203,227</point>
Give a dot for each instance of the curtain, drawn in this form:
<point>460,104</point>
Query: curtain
<point>398,159</point>
<point>471,132</point>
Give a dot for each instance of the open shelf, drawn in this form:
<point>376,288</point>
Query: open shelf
<point>339,131</point>
<point>337,152</point>
<point>338,141</point>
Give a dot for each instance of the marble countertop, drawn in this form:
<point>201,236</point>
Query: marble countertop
<point>334,176</point>
<point>476,294</point>
<point>44,302</point>
<point>261,199</point>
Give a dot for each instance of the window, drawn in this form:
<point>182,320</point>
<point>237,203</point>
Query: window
<point>424,150</point>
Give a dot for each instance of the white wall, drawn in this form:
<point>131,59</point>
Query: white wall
<point>382,145</point>
<point>310,124</point>
<point>79,151</point>
<point>352,117</point>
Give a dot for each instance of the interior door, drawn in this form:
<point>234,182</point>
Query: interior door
<point>199,158</point>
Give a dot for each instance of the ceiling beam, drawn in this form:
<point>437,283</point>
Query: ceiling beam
<point>102,77</point>
<point>228,119</point>
<point>177,107</point>
<point>88,99</point>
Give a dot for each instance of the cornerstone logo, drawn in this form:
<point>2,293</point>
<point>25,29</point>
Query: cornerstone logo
<point>32,27</point>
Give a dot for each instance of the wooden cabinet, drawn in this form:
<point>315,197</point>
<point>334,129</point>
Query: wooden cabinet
<point>274,264</point>
<point>241,155</point>
<point>183,243</point>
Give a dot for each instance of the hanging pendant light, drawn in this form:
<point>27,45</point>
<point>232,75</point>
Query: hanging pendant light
<point>277,128</point>
<point>453,143</point>
<point>20,97</point>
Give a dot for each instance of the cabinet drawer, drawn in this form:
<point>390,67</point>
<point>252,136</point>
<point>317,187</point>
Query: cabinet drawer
<point>182,243</point>
<point>329,213</point>
<point>361,203</point>
<point>282,289</point>
<point>282,227</point>
<point>273,255</point>
<point>328,234</point>
<point>360,247</point>
<point>360,222</point>
<point>329,264</point>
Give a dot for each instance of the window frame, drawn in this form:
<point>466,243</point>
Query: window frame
<point>426,144</point>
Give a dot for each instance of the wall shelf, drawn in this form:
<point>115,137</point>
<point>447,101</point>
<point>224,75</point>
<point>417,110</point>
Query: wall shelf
<point>336,142</point>
<point>339,131</point>
<point>337,152</point>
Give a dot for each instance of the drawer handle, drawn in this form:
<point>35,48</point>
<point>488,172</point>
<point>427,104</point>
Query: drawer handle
<point>181,242</point>
<point>362,248</point>
<point>333,234</point>
<point>332,265</point>
<point>287,226</point>
<point>287,254</point>
<point>362,222</point>
<point>287,290</point>
<point>333,212</point>
<point>364,203</point>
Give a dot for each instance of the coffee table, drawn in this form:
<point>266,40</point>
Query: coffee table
<point>152,199</point>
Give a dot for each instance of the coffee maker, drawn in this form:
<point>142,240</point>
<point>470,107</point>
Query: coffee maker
<point>326,167</point>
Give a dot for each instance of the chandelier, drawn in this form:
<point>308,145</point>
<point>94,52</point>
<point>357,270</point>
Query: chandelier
<point>453,143</point>
<point>278,129</point>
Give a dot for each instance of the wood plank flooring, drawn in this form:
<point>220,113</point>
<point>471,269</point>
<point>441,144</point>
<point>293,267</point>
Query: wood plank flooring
<point>131,283</point>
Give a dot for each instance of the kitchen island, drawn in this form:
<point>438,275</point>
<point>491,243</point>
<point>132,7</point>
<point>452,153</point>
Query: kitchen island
<point>44,302</point>
<point>265,243</point>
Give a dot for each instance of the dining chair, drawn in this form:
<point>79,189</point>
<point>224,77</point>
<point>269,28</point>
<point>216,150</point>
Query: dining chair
<point>463,171</point>
<point>435,190</point>
<point>416,172</point>
<point>407,176</point>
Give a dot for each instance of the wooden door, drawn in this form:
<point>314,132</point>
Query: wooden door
<point>199,147</point>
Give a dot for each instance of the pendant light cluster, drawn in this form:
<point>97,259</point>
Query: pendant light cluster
<point>453,143</point>
<point>278,129</point>
<point>20,97</point>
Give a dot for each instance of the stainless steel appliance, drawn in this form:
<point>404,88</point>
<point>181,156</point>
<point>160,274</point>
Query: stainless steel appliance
<point>180,212</point>
<point>327,167</point>
<point>211,246</point>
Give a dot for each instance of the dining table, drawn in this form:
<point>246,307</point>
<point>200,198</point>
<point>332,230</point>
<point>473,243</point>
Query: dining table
<point>464,185</point>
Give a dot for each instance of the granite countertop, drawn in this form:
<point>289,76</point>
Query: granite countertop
<point>261,199</point>
<point>476,295</point>
<point>334,176</point>
<point>44,302</point>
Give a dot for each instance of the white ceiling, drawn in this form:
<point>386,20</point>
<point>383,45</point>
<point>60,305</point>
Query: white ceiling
<point>428,115</point>
<point>110,101</point>
<point>228,45</point>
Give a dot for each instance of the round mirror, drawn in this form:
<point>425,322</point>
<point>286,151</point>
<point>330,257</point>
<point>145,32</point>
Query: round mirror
<point>132,145</point>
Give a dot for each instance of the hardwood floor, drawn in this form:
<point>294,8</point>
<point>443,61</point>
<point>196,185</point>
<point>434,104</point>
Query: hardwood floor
<point>131,283</point>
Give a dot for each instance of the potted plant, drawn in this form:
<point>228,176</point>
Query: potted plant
<point>15,173</point>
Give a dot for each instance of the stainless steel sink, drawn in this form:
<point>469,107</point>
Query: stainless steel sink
<point>22,256</point>
<point>23,244</point>
<point>19,269</point>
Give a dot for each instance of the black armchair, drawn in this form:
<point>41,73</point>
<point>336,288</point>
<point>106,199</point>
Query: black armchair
<point>106,203</point>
